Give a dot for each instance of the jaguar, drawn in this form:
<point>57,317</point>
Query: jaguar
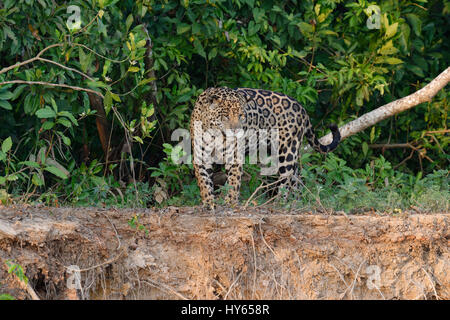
<point>222,109</point>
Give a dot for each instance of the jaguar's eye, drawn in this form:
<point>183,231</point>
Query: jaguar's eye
<point>224,118</point>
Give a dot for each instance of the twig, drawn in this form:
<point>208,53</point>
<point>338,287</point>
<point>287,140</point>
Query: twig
<point>264,240</point>
<point>117,235</point>
<point>19,64</point>
<point>432,284</point>
<point>164,287</point>
<point>52,85</point>
<point>232,285</point>
<point>101,264</point>
<point>254,260</point>
<point>259,188</point>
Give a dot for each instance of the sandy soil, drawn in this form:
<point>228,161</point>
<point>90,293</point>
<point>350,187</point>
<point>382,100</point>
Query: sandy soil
<point>188,253</point>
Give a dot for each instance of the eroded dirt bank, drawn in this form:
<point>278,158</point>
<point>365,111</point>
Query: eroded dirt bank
<point>177,253</point>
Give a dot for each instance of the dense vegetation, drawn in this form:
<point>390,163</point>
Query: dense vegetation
<point>128,76</point>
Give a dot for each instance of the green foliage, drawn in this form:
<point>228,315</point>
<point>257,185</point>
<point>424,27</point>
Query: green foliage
<point>6,296</point>
<point>135,224</point>
<point>149,60</point>
<point>16,269</point>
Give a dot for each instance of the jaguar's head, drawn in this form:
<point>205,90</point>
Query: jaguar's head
<point>225,108</point>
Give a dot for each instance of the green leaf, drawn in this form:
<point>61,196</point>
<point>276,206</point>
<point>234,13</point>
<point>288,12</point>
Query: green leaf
<point>141,43</point>
<point>199,48</point>
<point>55,107</point>
<point>365,148</point>
<point>32,164</point>
<point>129,22</point>
<point>45,113</point>
<point>64,122</point>
<point>182,28</point>
<point>392,60</point>
<point>12,177</point>
<point>416,70</point>
<point>2,180</point>
<point>6,95</point>
<point>115,97</point>
<point>85,59</point>
<point>107,102</point>
<point>68,115</point>
<point>372,134</point>
<point>56,171</point>
<point>65,139</point>
<point>47,125</point>
<point>212,54</point>
<point>145,81</point>
<point>36,180</point>
<point>5,105</point>
<point>388,48</point>
<point>7,144</point>
<point>391,30</point>
<point>415,23</point>
<point>133,69</point>
<point>305,27</point>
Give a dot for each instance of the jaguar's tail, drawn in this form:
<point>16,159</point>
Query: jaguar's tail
<point>314,142</point>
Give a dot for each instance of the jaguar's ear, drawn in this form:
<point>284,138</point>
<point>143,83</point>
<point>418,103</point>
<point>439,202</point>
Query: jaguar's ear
<point>213,105</point>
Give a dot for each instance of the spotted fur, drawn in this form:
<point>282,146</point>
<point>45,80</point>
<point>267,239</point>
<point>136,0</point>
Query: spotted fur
<point>224,108</point>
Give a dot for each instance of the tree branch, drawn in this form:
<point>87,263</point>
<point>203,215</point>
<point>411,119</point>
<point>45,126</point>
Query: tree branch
<point>392,108</point>
<point>52,85</point>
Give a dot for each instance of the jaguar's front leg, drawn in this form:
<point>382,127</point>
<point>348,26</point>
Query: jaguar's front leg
<point>203,173</point>
<point>234,160</point>
<point>234,172</point>
<point>203,170</point>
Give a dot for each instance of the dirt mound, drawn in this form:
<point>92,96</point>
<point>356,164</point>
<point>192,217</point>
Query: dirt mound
<point>177,253</point>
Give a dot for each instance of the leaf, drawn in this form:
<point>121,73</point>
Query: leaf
<point>416,70</point>
<point>391,30</point>
<point>212,54</point>
<point>415,23</point>
<point>107,102</point>
<point>129,22</point>
<point>133,69</point>
<point>12,177</point>
<point>65,139</point>
<point>115,97</point>
<point>7,144</point>
<point>47,125</point>
<point>6,95</point>
<point>5,105</point>
<point>199,48</point>
<point>141,43</point>
<point>305,27</point>
<point>68,115</point>
<point>182,28</point>
<point>45,113</point>
<point>36,180</point>
<point>388,48</point>
<point>145,81</point>
<point>138,139</point>
<point>392,60</point>
<point>372,134</point>
<point>84,60</point>
<point>56,171</point>
<point>32,164</point>
<point>64,122</point>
